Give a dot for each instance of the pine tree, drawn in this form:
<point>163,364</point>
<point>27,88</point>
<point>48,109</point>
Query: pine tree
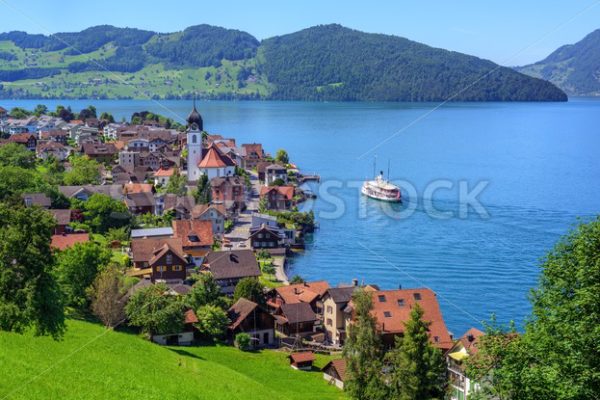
<point>363,352</point>
<point>417,369</point>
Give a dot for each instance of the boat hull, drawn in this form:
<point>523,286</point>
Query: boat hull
<point>376,196</point>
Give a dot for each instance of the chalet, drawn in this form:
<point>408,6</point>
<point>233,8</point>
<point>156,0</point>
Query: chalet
<point>196,238</point>
<point>180,206</point>
<point>101,152</point>
<point>229,191</point>
<point>305,292</point>
<point>302,360</point>
<point>215,164</point>
<point>63,219</point>
<point>162,260</point>
<point>183,338</point>
<point>229,267</point>
<point>215,213</point>
<point>334,372</point>
<point>277,197</point>
<point>252,154</point>
<point>26,139</point>
<point>270,221</point>
<point>139,203</point>
<point>162,176</point>
<point>58,136</point>
<point>461,387</point>
<point>274,173</point>
<point>64,241</point>
<point>84,192</point>
<point>52,149</point>
<point>265,237</point>
<point>248,317</point>
<point>296,319</point>
<point>36,199</point>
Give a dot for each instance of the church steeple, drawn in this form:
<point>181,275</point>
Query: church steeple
<point>194,120</point>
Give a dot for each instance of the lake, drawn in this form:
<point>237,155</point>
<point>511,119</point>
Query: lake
<point>538,165</point>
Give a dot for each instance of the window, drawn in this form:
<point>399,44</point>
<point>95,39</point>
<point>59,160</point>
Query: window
<point>329,322</point>
<point>169,259</point>
<point>160,269</point>
<point>381,298</point>
<point>387,314</point>
<point>194,139</point>
<point>329,310</point>
<point>401,302</point>
<point>436,339</point>
<point>417,296</point>
<point>176,267</point>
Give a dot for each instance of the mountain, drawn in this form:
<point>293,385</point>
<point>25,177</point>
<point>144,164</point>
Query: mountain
<point>327,62</point>
<point>575,68</point>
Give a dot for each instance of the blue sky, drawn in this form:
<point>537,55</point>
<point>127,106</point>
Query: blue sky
<point>508,32</point>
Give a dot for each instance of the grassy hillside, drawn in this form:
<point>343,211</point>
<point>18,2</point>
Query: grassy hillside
<point>123,366</point>
<point>327,62</point>
<point>575,68</point>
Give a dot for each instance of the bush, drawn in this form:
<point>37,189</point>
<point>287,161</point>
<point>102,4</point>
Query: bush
<point>243,341</point>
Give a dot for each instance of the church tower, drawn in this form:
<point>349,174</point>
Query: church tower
<point>194,143</point>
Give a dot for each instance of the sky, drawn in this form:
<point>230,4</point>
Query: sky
<point>507,32</point>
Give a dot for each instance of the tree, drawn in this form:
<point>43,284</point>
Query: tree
<point>87,113</point>
<point>102,212</point>
<point>263,205</point>
<point>156,311</point>
<point>296,279</point>
<point>177,185</point>
<point>64,113</point>
<point>84,171</point>
<point>363,352</point>
<point>19,113</point>
<point>242,341</point>
<point>29,293</point>
<point>282,156</point>
<point>40,110</point>
<point>251,289</point>
<point>16,155</point>
<point>212,321</point>
<point>203,191</point>
<point>557,356</point>
<point>76,269</point>
<point>107,117</point>
<point>418,370</point>
<point>205,291</point>
<point>277,182</point>
<point>107,297</point>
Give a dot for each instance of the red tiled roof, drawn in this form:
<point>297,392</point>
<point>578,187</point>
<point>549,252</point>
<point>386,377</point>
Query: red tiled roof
<point>144,249</point>
<point>302,292</point>
<point>164,172</point>
<point>301,357</point>
<point>286,191</point>
<point>214,158</point>
<point>392,309</point>
<point>190,317</point>
<point>62,242</point>
<point>339,365</point>
<point>189,230</point>
<point>130,188</point>
<point>470,340</point>
<point>20,137</point>
<point>238,312</point>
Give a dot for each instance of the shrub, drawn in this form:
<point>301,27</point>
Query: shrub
<point>242,341</point>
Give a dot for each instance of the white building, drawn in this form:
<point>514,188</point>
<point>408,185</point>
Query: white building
<point>194,143</point>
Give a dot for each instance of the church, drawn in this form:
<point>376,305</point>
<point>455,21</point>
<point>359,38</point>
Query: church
<point>203,160</point>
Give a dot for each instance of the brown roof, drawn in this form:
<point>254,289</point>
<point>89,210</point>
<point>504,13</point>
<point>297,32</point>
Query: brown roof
<point>232,264</point>
<point>302,292</point>
<point>164,172</point>
<point>37,199</point>
<point>20,137</point>
<point>50,146</point>
<point>193,233</point>
<point>226,180</point>
<point>99,149</point>
<point>392,309</point>
<point>341,294</point>
<point>304,356</point>
<point>470,340</point>
<point>62,217</point>
<point>62,242</point>
<point>238,312</point>
<point>143,249</point>
<point>140,200</point>
<point>255,148</point>
<point>214,158</point>
<point>174,202</point>
<point>159,252</point>
<point>285,191</point>
<point>298,312</point>
<point>339,366</point>
<point>200,209</point>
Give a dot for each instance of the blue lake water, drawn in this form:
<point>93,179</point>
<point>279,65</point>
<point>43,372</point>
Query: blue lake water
<point>540,162</point>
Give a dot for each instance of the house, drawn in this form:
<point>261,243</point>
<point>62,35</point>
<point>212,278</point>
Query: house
<point>252,154</point>
<point>215,213</point>
<point>305,292</point>
<point>461,387</point>
<point>163,260</point>
<point>183,338</point>
<point>302,360</point>
<point>139,203</point>
<point>215,164</point>
<point>277,197</point>
<point>63,219</point>
<point>196,238</point>
<point>229,267</point>
<point>154,233</point>
<point>101,152</point>
<point>85,191</point>
<point>270,221</point>
<point>229,191</point>
<point>129,159</point>
<point>180,206</point>
<point>3,113</point>
<point>334,372</point>
<point>265,237</point>
<point>296,319</point>
<point>162,176</point>
<point>58,136</point>
<point>261,170</point>
<point>274,173</point>
<point>335,301</point>
<point>36,199</point>
<point>248,317</point>
<point>26,139</point>
<point>52,149</point>
<point>65,241</point>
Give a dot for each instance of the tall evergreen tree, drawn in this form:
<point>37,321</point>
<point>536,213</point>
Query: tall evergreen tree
<point>417,369</point>
<point>363,352</point>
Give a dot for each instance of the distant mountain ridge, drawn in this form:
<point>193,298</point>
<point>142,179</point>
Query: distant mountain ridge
<point>575,68</point>
<point>325,62</point>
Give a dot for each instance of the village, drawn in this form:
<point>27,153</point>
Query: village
<point>200,212</point>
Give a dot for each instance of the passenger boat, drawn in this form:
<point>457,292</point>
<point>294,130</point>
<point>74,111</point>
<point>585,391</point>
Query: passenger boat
<point>381,189</point>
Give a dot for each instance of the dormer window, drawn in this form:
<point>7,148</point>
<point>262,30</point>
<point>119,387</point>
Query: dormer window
<point>401,302</point>
<point>381,298</point>
<point>417,296</point>
<point>387,314</point>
